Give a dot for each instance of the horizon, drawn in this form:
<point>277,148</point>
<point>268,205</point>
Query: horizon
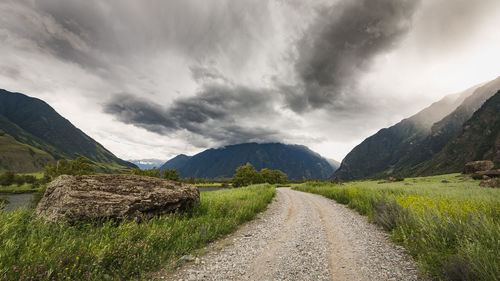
<point>158,79</point>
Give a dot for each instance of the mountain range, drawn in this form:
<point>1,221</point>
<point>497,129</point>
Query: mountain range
<point>33,134</point>
<point>296,161</point>
<point>146,164</point>
<point>410,147</point>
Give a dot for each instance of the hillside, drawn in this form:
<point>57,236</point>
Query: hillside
<point>30,124</point>
<point>295,160</point>
<point>176,162</point>
<point>478,139</point>
<point>397,149</point>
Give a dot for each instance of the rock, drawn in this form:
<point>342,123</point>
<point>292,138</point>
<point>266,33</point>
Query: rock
<point>84,198</point>
<point>490,183</point>
<point>188,258</point>
<point>478,166</point>
<point>490,173</point>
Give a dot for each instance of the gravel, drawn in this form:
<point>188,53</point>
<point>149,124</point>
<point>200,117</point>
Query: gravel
<point>301,236</point>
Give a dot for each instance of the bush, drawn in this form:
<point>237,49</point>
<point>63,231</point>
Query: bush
<point>171,175</point>
<point>247,175</point>
<point>78,167</point>
<point>154,172</point>
<point>7,178</point>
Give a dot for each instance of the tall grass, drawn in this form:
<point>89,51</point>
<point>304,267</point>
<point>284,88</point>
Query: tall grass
<point>451,227</point>
<point>33,250</point>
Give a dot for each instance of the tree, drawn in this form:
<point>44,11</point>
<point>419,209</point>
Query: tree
<point>78,167</point>
<point>273,176</point>
<point>171,175</point>
<point>154,172</point>
<point>246,175</point>
<point>7,178</point>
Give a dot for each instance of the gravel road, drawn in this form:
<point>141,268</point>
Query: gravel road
<point>301,236</point>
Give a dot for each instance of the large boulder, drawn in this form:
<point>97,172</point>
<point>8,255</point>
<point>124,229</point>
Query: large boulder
<point>491,173</point>
<point>84,198</point>
<point>478,166</point>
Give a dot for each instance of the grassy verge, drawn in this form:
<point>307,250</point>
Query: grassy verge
<point>24,188</point>
<point>33,250</point>
<point>451,227</point>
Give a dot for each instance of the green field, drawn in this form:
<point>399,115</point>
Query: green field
<point>450,226</point>
<point>34,250</point>
<point>24,188</point>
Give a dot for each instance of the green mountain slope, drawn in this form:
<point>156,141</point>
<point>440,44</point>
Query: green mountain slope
<point>32,122</point>
<point>478,139</point>
<point>296,161</point>
<point>17,156</point>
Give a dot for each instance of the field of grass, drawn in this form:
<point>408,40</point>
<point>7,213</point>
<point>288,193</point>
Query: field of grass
<point>33,250</point>
<point>451,227</point>
<point>24,188</point>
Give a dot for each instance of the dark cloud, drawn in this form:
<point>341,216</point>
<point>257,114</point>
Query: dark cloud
<point>215,112</point>
<point>192,27</point>
<point>341,45</point>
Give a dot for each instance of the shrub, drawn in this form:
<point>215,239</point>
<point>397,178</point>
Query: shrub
<point>154,172</point>
<point>78,167</point>
<point>7,178</point>
<point>247,175</point>
<point>171,175</point>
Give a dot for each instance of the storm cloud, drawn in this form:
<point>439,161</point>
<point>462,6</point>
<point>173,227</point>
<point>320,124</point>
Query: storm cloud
<point>341,44</point>
<point>219,112</point>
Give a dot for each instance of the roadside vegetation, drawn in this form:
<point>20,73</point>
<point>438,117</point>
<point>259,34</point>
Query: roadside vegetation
<point>33,250</point>
<point>451,226</point>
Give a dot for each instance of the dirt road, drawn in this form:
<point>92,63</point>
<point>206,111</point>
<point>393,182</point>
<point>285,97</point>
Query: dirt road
<point>302,236</point>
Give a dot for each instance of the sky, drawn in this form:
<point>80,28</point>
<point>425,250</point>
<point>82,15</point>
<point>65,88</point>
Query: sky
<point>154,78</point>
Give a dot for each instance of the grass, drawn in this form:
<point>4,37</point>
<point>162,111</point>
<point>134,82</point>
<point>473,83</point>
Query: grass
<point>24,188</point>
<point>33,250</point>
<point>212,184</point>
<point>450,226</point>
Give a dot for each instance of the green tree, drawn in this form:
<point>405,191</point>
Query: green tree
<point>154,172</point>
<point>246,175</point>
<point>171,175</point>
<point>7,178</point>
<point>273,176</point>
<point>78,167</point>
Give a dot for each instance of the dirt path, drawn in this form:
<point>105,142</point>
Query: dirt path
<point>301,236</point>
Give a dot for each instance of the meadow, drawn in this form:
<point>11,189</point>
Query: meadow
<point>31,249</point>
<point>450,226</point>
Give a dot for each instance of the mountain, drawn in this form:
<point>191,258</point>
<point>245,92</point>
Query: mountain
<point>398,149</point>
<point>146,164</point>
<point>478,139</point>
<point>296,161</point>
<point>176,162</point>
<point>334,163</point>
<point>33,134</point>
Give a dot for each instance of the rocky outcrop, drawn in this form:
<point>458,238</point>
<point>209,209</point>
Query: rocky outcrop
<point>478,166</point>
<point>490,183</point>
<point>490,173</point>
<point>85,198</point>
